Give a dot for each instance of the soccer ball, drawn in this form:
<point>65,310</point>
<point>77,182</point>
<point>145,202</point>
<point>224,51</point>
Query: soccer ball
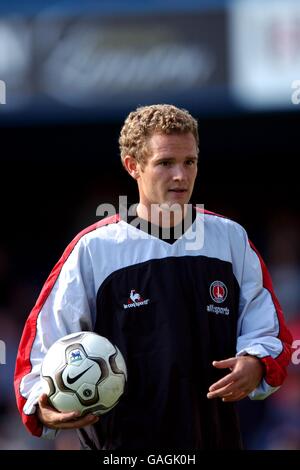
<point>83,372</point>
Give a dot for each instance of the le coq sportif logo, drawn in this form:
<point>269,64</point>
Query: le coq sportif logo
<point>135,300</point>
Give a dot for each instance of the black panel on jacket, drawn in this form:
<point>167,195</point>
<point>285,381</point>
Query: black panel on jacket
<point>169,340</point>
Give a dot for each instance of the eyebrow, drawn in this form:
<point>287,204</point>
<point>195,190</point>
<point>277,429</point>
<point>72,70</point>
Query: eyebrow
<point>188,157</point>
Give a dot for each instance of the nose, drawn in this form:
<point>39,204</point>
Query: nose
<point>180,173</point>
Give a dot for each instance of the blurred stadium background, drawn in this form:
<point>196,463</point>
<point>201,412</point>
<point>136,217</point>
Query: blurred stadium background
<point>71,71</point>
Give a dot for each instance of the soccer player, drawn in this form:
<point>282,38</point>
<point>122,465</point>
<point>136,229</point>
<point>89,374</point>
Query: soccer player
<point>204,328</point>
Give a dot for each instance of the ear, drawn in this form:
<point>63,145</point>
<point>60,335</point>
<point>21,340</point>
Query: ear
<point>132,166</point>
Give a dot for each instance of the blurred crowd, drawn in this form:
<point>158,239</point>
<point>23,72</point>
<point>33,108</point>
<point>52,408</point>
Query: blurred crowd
<point>275,423</point>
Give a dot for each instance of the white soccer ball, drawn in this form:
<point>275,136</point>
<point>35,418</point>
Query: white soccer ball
<point>83,372</point>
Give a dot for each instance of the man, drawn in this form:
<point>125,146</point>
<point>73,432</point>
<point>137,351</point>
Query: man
<point>211,331</point>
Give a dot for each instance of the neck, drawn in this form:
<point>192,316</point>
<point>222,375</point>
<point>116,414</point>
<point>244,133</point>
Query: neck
<point>162,215</point>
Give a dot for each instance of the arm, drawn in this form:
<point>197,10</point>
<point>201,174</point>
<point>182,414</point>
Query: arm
<point>263,343</point>
<point>65,305</point>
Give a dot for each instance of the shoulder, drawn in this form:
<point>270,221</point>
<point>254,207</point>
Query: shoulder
<point>218,219</point>
<point>222,226</point>
<point>99,230</point>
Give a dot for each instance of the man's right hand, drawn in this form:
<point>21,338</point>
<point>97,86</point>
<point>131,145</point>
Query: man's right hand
<point>58,420</point>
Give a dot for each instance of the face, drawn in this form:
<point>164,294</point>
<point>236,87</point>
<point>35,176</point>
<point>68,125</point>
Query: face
<point>168,176</point>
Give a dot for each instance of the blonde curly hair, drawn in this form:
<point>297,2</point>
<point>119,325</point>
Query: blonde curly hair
<point>146,120</point>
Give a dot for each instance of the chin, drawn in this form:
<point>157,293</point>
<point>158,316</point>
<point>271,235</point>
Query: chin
<point>174,204</point>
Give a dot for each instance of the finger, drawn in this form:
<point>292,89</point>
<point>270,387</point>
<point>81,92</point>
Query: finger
<point>52,418</point>
<point>235,397</point>
<point>49,415</point>
<point>43,400</point>
<point>68,416</point>
<point>229,378</point>
<point>46,407</point>
<point>78,423</point>
<point>222,392</point>
<point>225,363</point>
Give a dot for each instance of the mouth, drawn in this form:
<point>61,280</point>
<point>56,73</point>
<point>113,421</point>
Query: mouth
<point>178,194</point>
<point>178,190</point>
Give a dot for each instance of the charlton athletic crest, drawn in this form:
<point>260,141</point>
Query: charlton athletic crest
<point>218,291</point>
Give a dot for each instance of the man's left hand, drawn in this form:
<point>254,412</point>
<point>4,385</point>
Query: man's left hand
<point>245,376</point>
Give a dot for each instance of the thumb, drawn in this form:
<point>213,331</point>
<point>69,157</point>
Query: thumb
<point>225,363</point>
<point>43,400</point>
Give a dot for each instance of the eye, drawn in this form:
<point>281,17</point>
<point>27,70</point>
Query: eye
<point>165,163</point>
<point>190,162</point>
